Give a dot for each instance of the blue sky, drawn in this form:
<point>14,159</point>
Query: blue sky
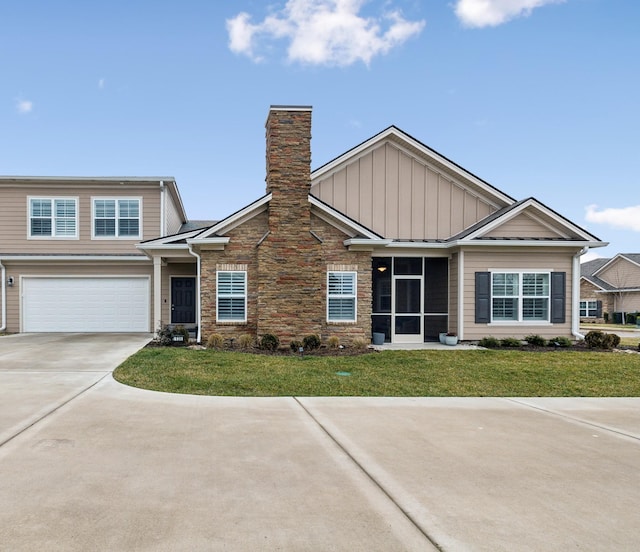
<point>538,97</point>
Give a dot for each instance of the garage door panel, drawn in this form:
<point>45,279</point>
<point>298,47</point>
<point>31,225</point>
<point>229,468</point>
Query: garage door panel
<point>85,304</point>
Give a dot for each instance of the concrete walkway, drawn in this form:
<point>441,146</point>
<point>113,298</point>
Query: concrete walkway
<point>108,467</point>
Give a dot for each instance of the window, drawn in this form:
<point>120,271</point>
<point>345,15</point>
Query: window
<point>341,297</point>
<point>116,218</point>
<point>231,299</point>
<point>53,218</point>
<point>589,308</point>
<point>520,297</point>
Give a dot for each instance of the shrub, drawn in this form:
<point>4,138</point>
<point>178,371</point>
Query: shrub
<point>511,342</point>
<point>311,342</point>
<point>560,341</point>
<point>333,342</point>
<point>269,342</point>
<point>360,343</point>
<point>295,345</point>
<point>246,341</point>
<point>215,341</point>
<point>489,342</point>
<point>536,340</point>
<point>611,340</point>
<point>167,333</point>
<point>599,340</point>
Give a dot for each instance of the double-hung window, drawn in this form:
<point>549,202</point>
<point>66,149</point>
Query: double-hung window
<point>341,296</point>
<point>520,296</point>
<point>589,308</point>
<point>116,218</point>
<point>53,217</point>
<point>231,296</point>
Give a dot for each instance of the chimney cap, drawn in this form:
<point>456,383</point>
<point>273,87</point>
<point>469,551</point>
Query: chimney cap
<point>290,108</point>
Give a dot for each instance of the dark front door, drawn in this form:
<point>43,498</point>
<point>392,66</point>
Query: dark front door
<point>183,300</point>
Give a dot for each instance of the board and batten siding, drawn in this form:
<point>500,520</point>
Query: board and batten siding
<point>621,274</point>
<point>514,260</point>
<point>87,269</point>
<point>15,219</point>
<point>399,197</point>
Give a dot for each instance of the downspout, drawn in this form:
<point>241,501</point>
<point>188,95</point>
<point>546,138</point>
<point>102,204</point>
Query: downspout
<point>163,191</point>
<point>198,324</point>
<point>575,295</point>
<point>3,270</point>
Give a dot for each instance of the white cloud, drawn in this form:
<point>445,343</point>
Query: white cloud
<point>489,13</point>
<point>322,32</point>
<point>589,256</point>
<point>24,106</point>
<point>627,218</point>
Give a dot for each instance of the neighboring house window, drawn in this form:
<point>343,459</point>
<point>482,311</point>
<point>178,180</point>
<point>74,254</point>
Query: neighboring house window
<point>341,296</point>
<point>116,218</point>
<point>520,296</point>
<point>231,300</point>
<point>53,218</point>
<point>590,308</point>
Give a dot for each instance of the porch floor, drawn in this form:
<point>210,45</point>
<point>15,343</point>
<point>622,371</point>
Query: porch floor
<point>429,345</point>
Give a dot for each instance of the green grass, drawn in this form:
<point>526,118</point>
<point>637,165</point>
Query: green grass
<point>424,373</point>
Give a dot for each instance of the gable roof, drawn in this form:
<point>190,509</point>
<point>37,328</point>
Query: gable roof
<point>588,272</point>
<point>416,147</point>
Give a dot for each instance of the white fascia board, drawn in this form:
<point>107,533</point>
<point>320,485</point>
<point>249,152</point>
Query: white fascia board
<point>203,241</point>
<point>235,219</point>
<point>526,243</point>
<point>427,152</point>
<point>346,221</point>
<point>67,258</point>
<point>166,240</point>
<point>418,245</point>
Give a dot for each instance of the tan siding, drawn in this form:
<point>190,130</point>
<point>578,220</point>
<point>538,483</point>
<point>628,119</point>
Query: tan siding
<point>18,270</point>
<point>399,196</point>
<point>15,214</point>
<point>515,259</point>
<point>522,226</point>
<point>172,216</point>
<point>621,273</point>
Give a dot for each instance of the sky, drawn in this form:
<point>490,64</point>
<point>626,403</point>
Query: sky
<point>537,97</point>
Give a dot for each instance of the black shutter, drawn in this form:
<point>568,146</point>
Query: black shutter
<point>558,297</point>
<point>599,309</point>
<point>483,297</point>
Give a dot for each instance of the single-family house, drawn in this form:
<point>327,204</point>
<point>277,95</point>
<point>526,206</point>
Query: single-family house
<point>610,286</point>
<point>390,237</point>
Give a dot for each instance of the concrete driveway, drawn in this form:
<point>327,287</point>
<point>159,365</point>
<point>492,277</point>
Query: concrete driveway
<point>107,467</point>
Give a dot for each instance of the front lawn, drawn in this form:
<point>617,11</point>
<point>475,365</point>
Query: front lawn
<point>424,373</point>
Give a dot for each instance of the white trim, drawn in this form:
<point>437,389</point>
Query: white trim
<point>157,293</point>
<point>461,275</point>
<point>612,260</point>
<point>3,296</point>
<point>80,258</point>
<point>358,228</point>
<point>116,199</point>
<point>236,218</point>
<point>354,297</point>
<point>520,321</point>
<point>53,199</point>
<point>235,320</point>
<point>198,295</point>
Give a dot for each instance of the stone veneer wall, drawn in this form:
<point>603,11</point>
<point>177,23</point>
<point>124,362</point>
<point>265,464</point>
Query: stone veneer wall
<point>588,293</point>
<point>287,269</point>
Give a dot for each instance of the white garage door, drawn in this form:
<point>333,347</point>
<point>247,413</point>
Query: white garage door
<point>85,304</point>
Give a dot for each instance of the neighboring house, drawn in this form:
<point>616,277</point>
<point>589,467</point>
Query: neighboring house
<point>610,286</point>
<point>67,251</point>
<point>390,237</point>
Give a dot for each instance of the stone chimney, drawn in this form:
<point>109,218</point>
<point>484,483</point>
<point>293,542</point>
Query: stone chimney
<point>288,134</point>
<point>290,270</point>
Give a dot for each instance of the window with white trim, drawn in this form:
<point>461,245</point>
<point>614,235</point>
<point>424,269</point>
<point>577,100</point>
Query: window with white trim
<point>231,296</point>
<point>341,296</point>
<point>53,217</point>
<point>520,296</point>
<point>116,218</point>
<point>589,308</point>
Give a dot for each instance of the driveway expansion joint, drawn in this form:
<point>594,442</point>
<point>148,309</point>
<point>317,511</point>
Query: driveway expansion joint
<point>371,478</point>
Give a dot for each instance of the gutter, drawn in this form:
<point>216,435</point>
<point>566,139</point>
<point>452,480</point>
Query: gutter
<point>3,272</point>
<point>575,294</point>
<point>198,314</point>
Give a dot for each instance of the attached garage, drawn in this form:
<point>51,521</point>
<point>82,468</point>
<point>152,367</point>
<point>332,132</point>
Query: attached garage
<point>85,304</point>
